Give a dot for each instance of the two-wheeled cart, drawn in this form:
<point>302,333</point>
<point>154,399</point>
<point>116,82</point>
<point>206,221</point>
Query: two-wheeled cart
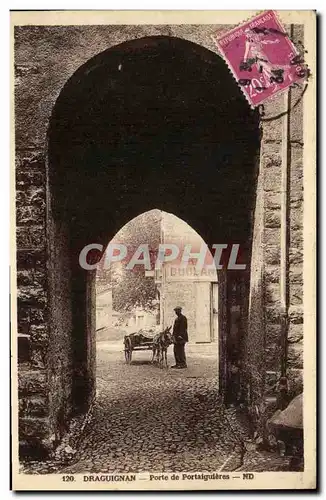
<point>137,342</point>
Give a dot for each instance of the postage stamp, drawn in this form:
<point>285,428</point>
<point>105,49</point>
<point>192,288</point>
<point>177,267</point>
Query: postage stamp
<point>262,57</point>
<point>163,251</point>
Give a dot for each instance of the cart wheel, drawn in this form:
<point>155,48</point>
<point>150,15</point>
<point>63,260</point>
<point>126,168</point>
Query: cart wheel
<point>128,351</point>
<point>128,356</point>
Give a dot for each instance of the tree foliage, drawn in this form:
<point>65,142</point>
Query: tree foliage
<point>131,288</point>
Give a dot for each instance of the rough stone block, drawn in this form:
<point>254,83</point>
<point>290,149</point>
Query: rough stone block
<point>32,382</point>
<point>295,256</point>
<point>30,237</point>
<point>24,278</point>
<point>33,428</point>
<point>30,162</point>
<point>296,314</point>
<point>295,356</point>
<point>272,219</point>
<point>271,377</point>
<point>30,278</point>
<point>38,356</point>
<point>296,239</point>
<point>298,33</point>
<point>295,381</point>
<point>31,259</point>
<point>37,316</point>
<point>30,206</point>
<point>38,406</point>
<point>296,201</point>
<point>271,155</point>
<point>31,196</point>
<point>296,275</point>
<point>295,333</point>
<point>271,236</point>
<point>272,130</point>
<point>272,334</point>
<point>272,179</point>
<point>272,274</point>
<point>35,296</point>
<point>39,333</point>
<point>273,314</point>
<point>296,294</point>
<point>296,114</point>
<point>296,172</point>
<point>34,406</point>
<point>272,254</point>
<point>272,200</point>
<point>28,178</point>
<point>272,293</point>
<point>296,217</point>
<point>29,215</point>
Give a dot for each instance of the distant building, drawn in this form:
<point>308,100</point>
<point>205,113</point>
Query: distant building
<point>141,319</point>
<point>195,291</point>
<point>104,316</point>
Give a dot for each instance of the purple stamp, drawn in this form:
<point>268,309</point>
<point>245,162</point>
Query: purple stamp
<point>262,57</point>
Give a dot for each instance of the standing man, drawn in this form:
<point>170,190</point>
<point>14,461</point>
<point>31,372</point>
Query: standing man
<point>180,337</point>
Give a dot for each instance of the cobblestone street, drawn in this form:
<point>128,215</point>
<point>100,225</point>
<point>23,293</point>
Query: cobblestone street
<point>152,419</point>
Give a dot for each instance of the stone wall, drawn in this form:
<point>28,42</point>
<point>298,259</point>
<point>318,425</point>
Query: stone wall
<point>275,332</point>
<point>272,158</point>
<point>34,425</point>
<point>44,340</point>
<point>295,332</point>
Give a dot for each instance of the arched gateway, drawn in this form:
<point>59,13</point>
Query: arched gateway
<point>157,121</point>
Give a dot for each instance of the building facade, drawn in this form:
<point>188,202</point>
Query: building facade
<point>104,311</point>
<point>194,290</point>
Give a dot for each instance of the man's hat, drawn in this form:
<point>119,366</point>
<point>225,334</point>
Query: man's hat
<point>178,308</point>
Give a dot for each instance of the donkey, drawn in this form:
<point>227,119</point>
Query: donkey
<point>161,343</point>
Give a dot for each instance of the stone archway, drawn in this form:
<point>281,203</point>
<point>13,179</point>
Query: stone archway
<point>150,122</point>
<point>144,294</point>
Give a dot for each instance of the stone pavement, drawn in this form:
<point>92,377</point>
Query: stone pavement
<point>151,419</point>
<point>147,418</point>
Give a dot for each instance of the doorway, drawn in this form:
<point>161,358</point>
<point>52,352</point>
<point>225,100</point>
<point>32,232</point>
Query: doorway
<point>150,122</point>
